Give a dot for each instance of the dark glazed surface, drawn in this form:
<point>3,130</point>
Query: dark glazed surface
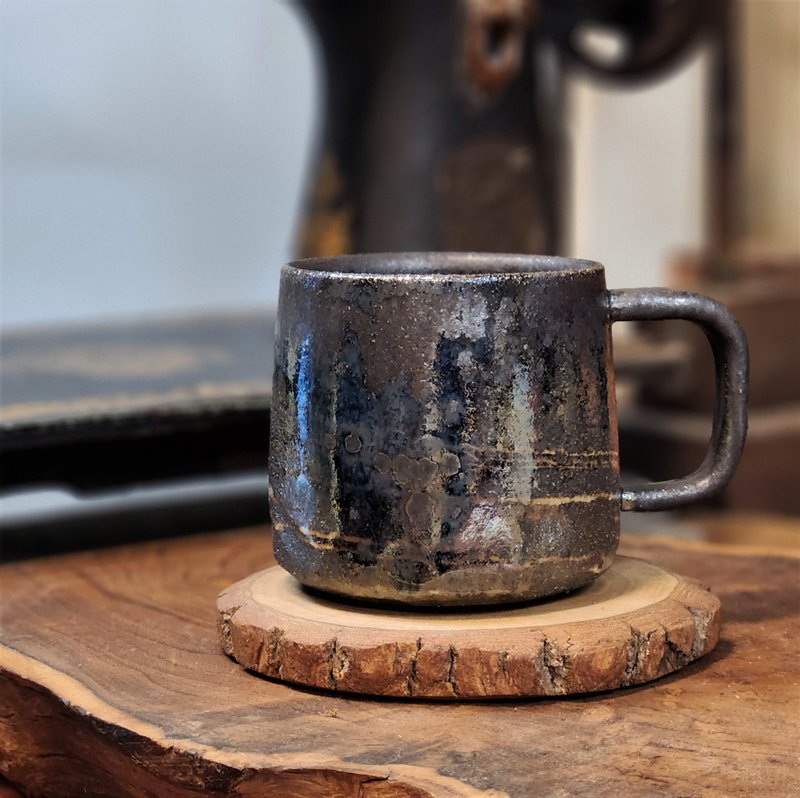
<point>731,366</point>
<point>444,434</point>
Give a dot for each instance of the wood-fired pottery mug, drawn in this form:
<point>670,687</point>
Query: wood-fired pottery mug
<point>444,427</point>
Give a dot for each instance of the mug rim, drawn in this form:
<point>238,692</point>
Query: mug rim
<point>433,265</point>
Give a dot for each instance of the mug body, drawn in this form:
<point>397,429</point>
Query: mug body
<point>443,427</point>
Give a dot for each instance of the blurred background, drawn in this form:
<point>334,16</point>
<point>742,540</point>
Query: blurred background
<point>154,155</point>
<point>162,159</point>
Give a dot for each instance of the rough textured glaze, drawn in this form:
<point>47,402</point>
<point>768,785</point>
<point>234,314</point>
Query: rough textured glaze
<point>443,427</point>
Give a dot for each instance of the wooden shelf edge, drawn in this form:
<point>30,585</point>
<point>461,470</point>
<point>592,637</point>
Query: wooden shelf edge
<point>90,732</point>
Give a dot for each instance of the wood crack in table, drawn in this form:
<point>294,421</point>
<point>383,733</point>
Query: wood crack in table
<point>112,683</point>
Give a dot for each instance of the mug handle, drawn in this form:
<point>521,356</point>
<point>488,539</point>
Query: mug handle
<point>729,345</point>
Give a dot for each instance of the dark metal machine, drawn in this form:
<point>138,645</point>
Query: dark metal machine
<point>445,122</point>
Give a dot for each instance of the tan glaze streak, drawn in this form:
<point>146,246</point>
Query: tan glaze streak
<point>544,452</point>
<point>317,544</point>
<point>595,453</point>
<point>317,538</point>
<point>84,701</point>
<point>559,501</point>
<point>582,466</point>
<point>320,539</point>
<point>549,458</point>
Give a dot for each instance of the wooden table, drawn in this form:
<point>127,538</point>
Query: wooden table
<point>112,683</point>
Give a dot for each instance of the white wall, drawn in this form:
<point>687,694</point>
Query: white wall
<point>153,154</point>
<point>638,164</point>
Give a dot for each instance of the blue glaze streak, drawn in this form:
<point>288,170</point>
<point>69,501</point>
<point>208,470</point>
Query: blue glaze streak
<point>304,497</point>
<point>303,390</point>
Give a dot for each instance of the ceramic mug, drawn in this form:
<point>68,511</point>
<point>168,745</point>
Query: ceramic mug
<point>444,427</point>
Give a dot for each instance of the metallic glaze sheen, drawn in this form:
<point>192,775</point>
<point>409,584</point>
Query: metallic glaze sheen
<point>731,363</point>
<point>440,437</point>
<point>444,427</point>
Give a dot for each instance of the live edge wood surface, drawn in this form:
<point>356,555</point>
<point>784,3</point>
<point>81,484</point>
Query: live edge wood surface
<point>112,683</point>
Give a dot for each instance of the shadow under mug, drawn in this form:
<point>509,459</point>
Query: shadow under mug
<point>444,426</point>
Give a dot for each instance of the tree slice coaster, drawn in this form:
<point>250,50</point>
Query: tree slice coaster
<point>633,624</point>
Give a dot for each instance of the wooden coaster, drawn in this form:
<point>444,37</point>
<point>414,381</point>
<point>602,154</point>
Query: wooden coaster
<point>634,623</point>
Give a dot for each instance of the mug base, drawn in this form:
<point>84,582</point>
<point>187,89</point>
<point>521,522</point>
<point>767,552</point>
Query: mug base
<point>469,585</point>
<point>558,582</point>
